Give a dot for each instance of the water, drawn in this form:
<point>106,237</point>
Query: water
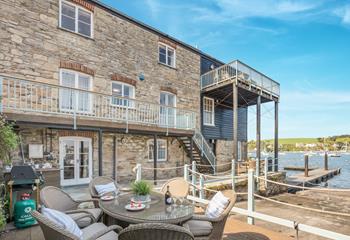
<point>342,180</point>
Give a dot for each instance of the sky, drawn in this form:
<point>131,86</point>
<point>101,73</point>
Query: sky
<point>302,44</point>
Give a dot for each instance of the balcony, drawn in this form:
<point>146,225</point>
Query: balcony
<point>32,99</point>
<point>243,75</point>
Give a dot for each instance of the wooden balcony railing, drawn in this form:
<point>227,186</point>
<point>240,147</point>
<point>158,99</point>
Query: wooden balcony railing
<point>239,71</point>
<point>24,96</point>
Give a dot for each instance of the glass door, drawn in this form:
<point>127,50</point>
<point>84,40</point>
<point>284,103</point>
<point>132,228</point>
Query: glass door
<point>167,109</point>
<point>75,160</point>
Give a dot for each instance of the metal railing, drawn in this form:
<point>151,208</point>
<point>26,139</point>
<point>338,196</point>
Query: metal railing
<point>205,149</point>
<point>24,96</point>
<point>242,72</point>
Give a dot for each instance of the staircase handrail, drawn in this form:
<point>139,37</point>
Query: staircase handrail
<point>204,148</point>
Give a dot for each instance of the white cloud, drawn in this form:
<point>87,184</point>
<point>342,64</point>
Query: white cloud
<point>237,9</point>
<point>154,7</point>
<point>343,13</point>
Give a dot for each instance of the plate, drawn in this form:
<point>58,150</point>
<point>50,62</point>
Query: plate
<point>135,207</point>
<point>107,198</point>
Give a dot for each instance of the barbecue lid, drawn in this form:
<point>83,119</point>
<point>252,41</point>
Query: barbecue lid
<point>23,172</point>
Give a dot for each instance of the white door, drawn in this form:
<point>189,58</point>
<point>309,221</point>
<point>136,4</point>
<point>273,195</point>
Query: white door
<point>75,160</point>
<point>167,109</point>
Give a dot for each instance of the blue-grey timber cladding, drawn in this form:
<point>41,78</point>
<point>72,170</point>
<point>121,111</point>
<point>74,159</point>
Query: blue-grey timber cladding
<point>223,128</point>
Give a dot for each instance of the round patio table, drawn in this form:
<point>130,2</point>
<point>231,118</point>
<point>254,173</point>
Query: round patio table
<point>155,211</point>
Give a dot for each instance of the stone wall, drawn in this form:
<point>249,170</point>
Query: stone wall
<point>33,46</point>
<point>242,186</point>
<point>224,153</point>
<point>130,150</point>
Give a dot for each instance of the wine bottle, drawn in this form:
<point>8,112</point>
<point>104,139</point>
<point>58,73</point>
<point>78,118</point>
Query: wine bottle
<point>168,197</point>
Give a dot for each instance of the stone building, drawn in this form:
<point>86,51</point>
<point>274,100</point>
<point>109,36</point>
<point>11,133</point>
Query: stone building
<point>94,92</point>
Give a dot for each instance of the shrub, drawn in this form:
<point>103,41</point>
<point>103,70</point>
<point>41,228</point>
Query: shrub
<point>4,206</point>
<point>8,140</point>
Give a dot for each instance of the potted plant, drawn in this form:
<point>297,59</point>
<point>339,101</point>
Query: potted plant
<point>142,191</point>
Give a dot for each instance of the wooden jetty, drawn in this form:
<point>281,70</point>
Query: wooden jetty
<point>296,168</point>
<point>315,176</point>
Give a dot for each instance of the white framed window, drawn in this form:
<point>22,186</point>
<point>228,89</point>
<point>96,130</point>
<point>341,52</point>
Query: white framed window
<point>161,150</point>
<point>76,19</point>
<point>71,99</point>
<point>121,93</point>
<point>208,111</point>
<point>167,55</point>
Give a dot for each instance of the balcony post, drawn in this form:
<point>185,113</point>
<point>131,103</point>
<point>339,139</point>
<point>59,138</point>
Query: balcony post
<point>155,157</point>
<point>114,157</point>
<point>275,167</point>
<point>258,135</point>
<point>235,121</point>
<point>100,152</point>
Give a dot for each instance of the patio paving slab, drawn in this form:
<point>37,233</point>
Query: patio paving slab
<point>234,230</point>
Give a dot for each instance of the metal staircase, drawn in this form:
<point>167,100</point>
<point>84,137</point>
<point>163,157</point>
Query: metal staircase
<point>201,152</point>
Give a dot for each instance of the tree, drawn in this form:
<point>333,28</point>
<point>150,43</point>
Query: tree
<point>8,140</point>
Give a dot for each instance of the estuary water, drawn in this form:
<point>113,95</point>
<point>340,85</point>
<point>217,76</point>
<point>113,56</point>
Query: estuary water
<point>316,160</point>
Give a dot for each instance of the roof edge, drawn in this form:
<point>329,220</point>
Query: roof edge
<point>152,29</point>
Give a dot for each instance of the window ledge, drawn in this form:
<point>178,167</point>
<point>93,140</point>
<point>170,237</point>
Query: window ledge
<point>159,161</point>
<point>165,65</point>
<point>209,125</point>
<point>76,33</point>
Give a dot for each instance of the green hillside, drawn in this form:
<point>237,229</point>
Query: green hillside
<point>294,140</point>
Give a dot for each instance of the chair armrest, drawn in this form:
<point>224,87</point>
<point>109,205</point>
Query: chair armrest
<point>115,228</point>
<point>87,214</point>
<point>94,196</point>
<point>205,218</point>
<point>87,200</point>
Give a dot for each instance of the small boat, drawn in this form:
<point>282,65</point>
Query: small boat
<point>334,155</point>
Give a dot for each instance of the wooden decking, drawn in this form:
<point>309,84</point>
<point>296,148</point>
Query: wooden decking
<point>314,177</point>
<point>234,230</point>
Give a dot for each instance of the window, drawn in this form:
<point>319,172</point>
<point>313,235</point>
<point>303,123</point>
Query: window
<point>208,111</point>
<point>161,151</point>
<point>76,19</point>
<point>121,93</point>
<point>70,97</point>
<point>167,109</point>
<point>167,55</point>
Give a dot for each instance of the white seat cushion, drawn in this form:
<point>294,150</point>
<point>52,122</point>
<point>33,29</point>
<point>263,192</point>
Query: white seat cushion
<point>216,205</point>
<point>199,228</point>
<point>105,188</point>
<point>63,220</point>
<point>96,227</point>
<point>83,222</point>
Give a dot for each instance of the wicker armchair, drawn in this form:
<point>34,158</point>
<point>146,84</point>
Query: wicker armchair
<point>52,231</point>
<point>99,181</point>
<point>204,228</point>
<point>155,231</point>
<point>56,198</point>
<point>178,187</point>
